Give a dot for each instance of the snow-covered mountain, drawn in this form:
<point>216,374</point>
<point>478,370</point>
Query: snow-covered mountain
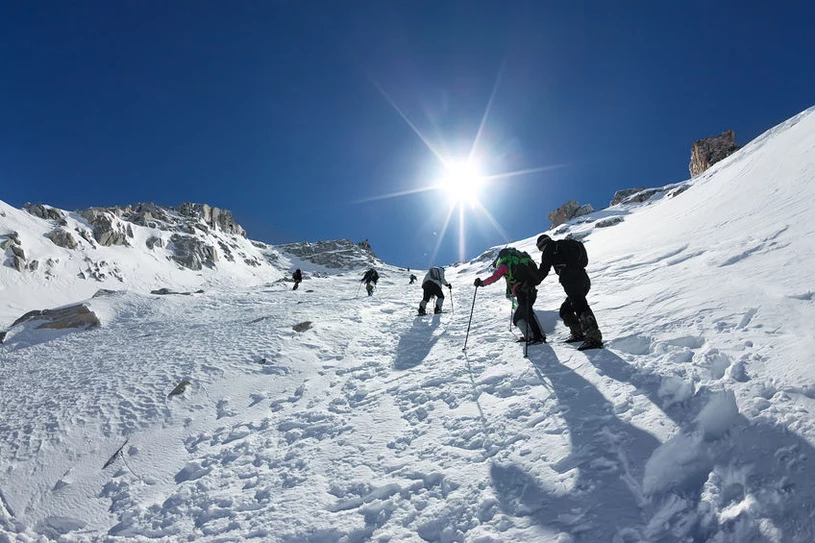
<point>253,412</point>
<point>51,256</point>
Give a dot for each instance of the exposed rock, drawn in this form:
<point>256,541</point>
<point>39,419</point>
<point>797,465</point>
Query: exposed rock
<point>17,263</point>
<point>104,292</point>
<point>75,316</point>
<point>192,252</point>
<point>213,217</point>
<point>179,388</point>
<point>165,290</point>
<point>621,195</point>
<point>301,327</point>
<point>707,152</point>
<point>18,251</point>
<point>62,238</point>
<point>568,211</point>
<point>14,236</point>
<point>5,244</point>
<point>43,212</point>
<point>106,230</point>
<point>677,191</point>
<point>33,265</point>
<point>611,221</point>
<point>642,196</point>
<point>342,253</point>
<point>154,241</point>
<point>3,336</point>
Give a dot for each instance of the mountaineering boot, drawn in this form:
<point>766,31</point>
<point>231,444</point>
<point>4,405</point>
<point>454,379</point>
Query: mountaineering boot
<point>422,311</point>
<point>537,341</point>
<point>591,332</point>
<point>439,302</point>
<point>437,310</point>
<point>576,333</point>
<point>590,344</point>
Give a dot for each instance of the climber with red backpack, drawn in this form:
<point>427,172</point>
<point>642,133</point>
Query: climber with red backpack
<point>521,275</point>
<point>569,259</point>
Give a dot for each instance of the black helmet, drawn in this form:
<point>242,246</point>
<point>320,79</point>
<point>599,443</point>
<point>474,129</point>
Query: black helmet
<point>543,239</point>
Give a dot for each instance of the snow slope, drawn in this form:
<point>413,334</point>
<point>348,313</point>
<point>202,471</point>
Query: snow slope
<point>374,425</point>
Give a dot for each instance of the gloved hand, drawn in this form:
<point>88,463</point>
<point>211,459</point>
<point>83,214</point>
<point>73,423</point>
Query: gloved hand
<point>478,282</point>
<point>449,286</point>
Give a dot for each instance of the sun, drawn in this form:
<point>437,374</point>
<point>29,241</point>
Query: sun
<point>462,183</point>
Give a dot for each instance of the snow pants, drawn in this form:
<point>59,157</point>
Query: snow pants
<point>524,317</point>
<point>431,289</point>
<point>575,310</point>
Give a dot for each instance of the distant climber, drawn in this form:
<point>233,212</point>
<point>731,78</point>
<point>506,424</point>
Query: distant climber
<point>521,275</point>
<point>370,278</point>
<point>569,259</point>
<point>431,285</point>
<point>298,278</point>
<point>413,279</point>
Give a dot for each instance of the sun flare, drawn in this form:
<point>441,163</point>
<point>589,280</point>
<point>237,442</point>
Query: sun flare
<point>462,182</point>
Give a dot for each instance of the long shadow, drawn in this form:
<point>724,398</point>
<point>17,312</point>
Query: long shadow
<point>609,455</point>
<point>415,344</point>
<point>754,462</point>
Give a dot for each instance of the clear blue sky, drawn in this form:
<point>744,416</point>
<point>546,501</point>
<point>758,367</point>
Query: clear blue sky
<point>275,109</point>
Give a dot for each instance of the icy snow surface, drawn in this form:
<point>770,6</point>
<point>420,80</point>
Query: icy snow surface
<point>694,424</point>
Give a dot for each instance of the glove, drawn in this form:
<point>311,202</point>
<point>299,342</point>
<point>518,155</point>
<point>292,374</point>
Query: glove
<point>449,286</point>
<point>478,282</point>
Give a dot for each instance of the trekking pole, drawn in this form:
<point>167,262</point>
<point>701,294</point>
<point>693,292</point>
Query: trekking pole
<point>528,323</point>
<point>511,311</point>
<point>471,320</point>
<point>452,309</point>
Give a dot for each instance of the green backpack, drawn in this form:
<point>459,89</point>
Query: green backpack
<point>521,266</point>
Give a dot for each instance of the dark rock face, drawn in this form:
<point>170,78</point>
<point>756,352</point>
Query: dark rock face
<point>192,252</point>
<point>707,152</point>
<point>43,212</point>
<point>568,211</point>
<point>75,316</point>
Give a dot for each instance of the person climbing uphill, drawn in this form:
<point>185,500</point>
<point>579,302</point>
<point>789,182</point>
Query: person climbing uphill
<point>412,279</point>
<point>569,259</point>
<point>298,278</point>
<point>431,286</point>
<point>370,278</point>
<point>521,275</point>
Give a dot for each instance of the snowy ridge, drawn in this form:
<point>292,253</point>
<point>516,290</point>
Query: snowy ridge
<point>368,424</point>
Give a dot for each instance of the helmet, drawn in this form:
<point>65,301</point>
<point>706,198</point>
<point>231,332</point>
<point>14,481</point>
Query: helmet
<point>543,239</point>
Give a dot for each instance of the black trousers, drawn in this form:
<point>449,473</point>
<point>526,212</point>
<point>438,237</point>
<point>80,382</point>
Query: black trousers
<point>576,284</point>
<point>525,311</point>
<point>431,289</point>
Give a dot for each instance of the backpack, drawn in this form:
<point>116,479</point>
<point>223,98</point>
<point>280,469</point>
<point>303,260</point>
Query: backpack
<point>435,273</point>
<point>573,252</point>
<point>521,266</point>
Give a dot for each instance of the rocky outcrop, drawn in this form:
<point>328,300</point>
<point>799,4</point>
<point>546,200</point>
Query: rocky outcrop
<point>43,212</point>
<point>621,195</point>
<point>192,252</point>
<point>568,211</point>
<point>341,253</point>
<point>707,152</point>
<point>107,230</point>
<point>154,241</point>
<point>62,238</point>
<point>214,217</point>
<point>75,316</point>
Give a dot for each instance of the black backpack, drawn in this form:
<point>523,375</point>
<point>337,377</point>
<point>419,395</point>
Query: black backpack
<point>521,266</point>
<point>573,252</point>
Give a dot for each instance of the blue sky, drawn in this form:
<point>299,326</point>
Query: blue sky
<point>285,112</point>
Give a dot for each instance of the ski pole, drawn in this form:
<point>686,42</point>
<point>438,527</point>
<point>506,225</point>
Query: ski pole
<point>471,320</point>
<point>450,288</point>
<point>511,311</point>
<point>528,323</point>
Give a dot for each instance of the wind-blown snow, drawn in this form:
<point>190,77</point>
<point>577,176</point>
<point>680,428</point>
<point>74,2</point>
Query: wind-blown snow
<point>694,424</point>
